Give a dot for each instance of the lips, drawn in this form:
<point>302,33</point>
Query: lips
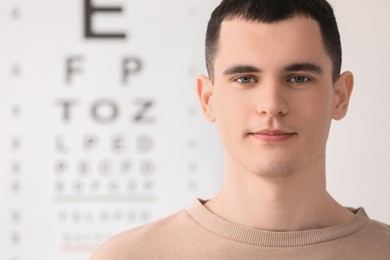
<point>273,135</point>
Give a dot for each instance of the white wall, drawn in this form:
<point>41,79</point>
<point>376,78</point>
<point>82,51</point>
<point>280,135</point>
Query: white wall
<point>358,151</point>
<point>50,212</point>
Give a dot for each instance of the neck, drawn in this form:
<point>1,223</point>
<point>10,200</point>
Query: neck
<point>296,202</point>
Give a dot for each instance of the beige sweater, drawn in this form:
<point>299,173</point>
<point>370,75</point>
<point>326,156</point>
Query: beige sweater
<point>196,233</point>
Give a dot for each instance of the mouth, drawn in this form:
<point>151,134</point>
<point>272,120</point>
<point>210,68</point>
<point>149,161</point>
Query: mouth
<point>272,135</point>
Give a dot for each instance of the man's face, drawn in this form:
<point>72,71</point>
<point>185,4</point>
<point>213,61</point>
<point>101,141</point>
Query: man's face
<point>273,97</point>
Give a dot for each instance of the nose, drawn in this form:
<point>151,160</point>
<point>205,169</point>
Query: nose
<point>272,100</point>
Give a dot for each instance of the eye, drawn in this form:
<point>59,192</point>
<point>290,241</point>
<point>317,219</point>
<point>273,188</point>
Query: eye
<point>299,79</point>
<point>245,80</point>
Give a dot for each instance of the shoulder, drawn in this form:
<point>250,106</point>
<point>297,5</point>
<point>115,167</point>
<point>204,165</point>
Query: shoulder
<point>140,242</point>
<point>374,238</point>
<point>378,230</point>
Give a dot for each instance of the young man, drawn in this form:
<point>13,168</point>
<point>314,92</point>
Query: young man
<point>274,87</point>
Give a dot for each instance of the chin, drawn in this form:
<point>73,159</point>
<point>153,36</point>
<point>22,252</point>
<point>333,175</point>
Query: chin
<point>276,170</point>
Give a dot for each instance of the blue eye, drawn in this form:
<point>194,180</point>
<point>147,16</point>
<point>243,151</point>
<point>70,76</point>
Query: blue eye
<point>245,80</point>
<point>299,79</point>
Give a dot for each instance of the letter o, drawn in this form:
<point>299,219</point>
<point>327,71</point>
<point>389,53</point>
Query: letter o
<point>104,111</point>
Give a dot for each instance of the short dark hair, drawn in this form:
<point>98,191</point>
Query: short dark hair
<point>270,11</point>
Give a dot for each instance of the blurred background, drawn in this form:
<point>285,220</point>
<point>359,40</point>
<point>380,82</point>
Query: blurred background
<point>101,131</point>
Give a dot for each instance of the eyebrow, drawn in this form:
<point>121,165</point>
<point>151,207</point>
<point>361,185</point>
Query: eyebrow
<point>304,66</point>
<point>301,66</point>
<point>235,69</point>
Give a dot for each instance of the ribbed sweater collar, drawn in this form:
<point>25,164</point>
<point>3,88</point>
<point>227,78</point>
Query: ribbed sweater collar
<point>258,237</point>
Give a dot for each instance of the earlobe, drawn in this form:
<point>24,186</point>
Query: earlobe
<point>342,91</point>
<point>204,89</point>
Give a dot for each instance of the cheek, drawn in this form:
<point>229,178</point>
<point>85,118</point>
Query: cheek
<point>231,112</point>
<point>317,114</point>
<point>316,102</point>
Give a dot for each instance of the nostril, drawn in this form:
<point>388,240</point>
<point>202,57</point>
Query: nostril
<point>272,111</point>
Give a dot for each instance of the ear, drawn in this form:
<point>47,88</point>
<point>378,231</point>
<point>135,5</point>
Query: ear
<point>342,91</point>
<point>204,88</point>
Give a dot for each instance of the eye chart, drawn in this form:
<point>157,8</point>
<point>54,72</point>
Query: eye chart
<point>100,127</point>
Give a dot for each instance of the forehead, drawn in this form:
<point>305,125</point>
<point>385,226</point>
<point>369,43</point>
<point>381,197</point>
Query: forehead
<point>297,39</point>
